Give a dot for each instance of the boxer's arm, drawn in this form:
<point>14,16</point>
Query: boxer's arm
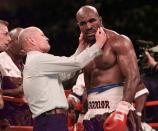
<point>17,92</point>
<point>128,64</point>
<point>140,98</point>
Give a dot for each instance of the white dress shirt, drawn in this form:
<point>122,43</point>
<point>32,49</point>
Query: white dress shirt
<point>43,75</point>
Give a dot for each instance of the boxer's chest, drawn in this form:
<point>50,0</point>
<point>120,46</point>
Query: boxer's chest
<point>104,61</point>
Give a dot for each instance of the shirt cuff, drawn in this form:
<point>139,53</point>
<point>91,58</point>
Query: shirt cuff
<point>95,50</point>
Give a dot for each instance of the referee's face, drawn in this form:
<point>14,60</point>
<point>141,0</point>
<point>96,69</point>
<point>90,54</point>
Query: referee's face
<point>42,41</point>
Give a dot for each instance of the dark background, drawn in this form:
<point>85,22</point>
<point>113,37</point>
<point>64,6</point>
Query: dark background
<point>138,19</point>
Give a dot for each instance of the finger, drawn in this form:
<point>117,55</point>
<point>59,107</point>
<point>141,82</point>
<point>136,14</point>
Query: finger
<point>81,36</point>
<point>98,31</point>
<point>103,32</point>
<point>147,53</point>
<point>101,29</point>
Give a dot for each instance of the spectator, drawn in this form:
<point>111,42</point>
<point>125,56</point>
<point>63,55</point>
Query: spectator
<point>151,82</point>
<point>4,35</point>
<point>11,67</point>
<point>4,42</point>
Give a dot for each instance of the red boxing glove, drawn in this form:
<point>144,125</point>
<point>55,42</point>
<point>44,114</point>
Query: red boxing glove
<point>75,105</point>
<point>79,127</point>
<point>78,106</point>
<point>117,120</point>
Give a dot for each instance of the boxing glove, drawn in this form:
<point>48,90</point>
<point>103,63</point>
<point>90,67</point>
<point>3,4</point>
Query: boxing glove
<point>79,127</point>
<point>78,106</point>
<point>117,120</point>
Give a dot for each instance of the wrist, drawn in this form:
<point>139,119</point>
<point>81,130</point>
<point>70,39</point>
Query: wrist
<point>138,113</point>
<point>141,92</point>
<point>72,97</point>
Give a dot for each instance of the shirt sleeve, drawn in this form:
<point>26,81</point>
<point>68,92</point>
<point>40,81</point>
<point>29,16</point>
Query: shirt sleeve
<point>77,52</point>
<point>66,66</point>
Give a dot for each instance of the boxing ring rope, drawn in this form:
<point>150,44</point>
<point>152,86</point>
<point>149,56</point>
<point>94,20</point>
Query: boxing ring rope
<point>152,103</point>
<point>20,101</point>
<point>14,99</point>
<point>21,128</point>
<point>29,128</point>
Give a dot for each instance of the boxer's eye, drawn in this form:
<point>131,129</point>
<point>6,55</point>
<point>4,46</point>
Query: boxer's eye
<point>92,20</point>
<point>82,23</point>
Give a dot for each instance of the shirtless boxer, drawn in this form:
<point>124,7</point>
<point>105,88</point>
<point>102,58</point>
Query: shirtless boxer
<point>111,79</point>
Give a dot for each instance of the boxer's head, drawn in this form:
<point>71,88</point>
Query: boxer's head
<point>33,39</point>
<point>88,21</point>
<point>15,47</point>
<point>4,35</point>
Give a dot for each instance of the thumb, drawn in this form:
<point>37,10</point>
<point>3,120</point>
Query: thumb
<point>81,36</point>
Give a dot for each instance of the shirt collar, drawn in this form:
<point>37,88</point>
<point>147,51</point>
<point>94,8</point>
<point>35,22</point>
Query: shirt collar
<point>33,52</point>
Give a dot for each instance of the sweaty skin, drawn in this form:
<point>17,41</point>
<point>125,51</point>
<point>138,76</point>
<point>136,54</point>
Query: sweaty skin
<point>118,62</point>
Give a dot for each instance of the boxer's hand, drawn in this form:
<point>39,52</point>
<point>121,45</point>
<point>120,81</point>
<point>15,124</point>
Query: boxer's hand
<point>117,120</point>
<point>75,105</point>
<point>100,37</point>
<point>79,127</point>
<point>151,61</point>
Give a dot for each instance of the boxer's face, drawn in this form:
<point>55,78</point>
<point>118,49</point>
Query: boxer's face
<point>88,23</point>
<point>4,37</point>
<point>14,40</point>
